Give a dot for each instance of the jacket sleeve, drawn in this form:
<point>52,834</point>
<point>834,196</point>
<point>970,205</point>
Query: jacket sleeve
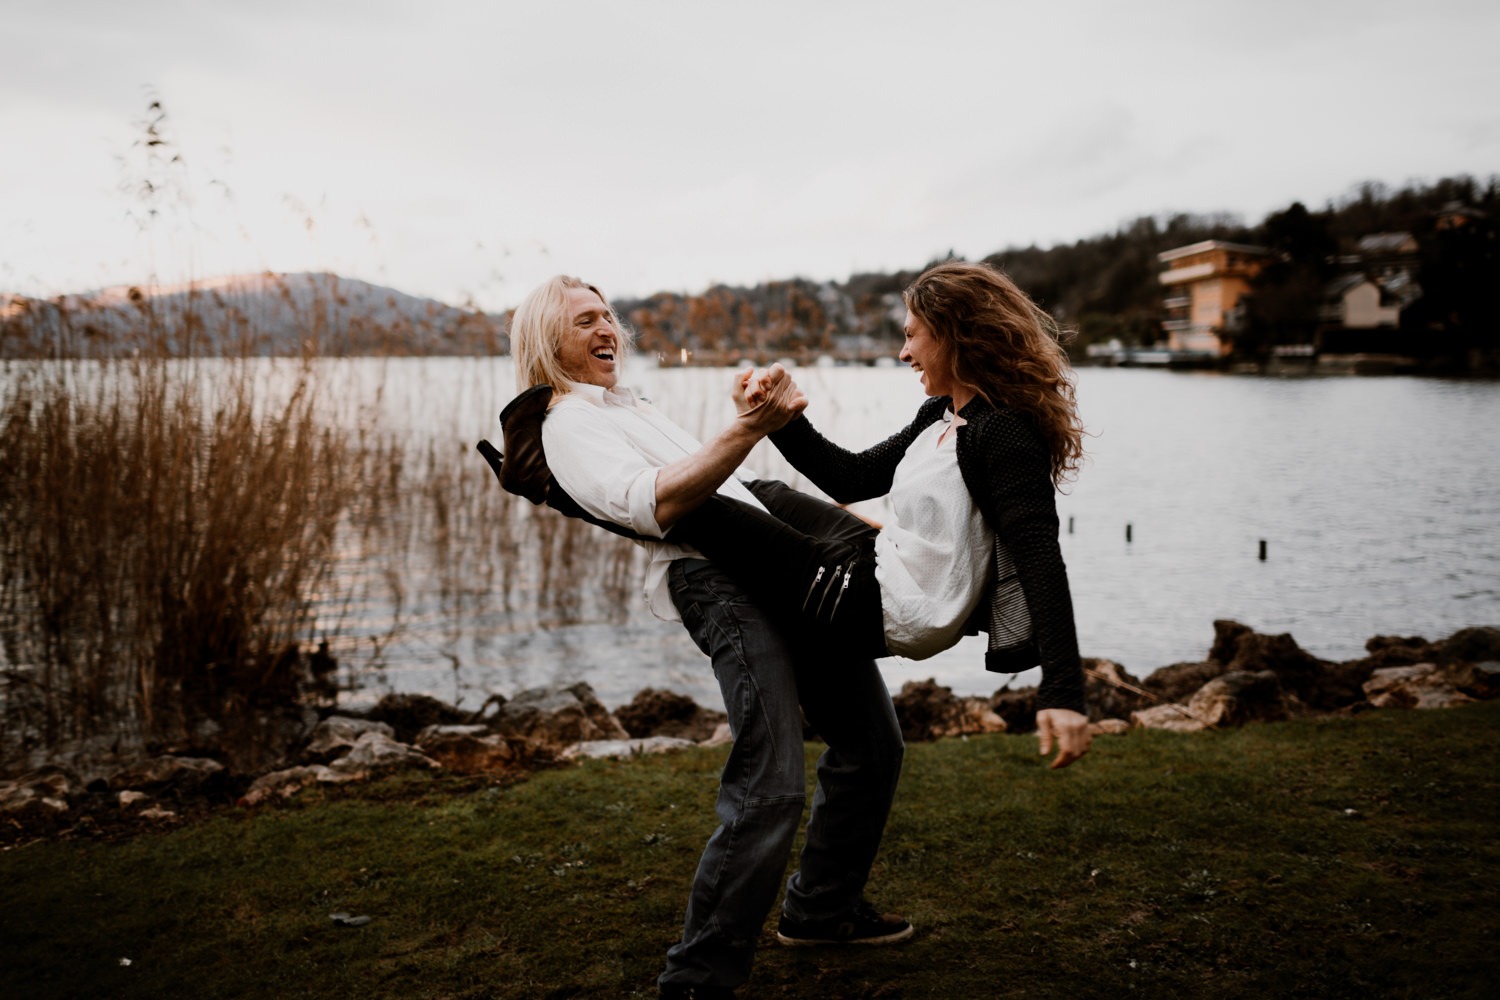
<point>849,476</point>
<point>1008,471</point>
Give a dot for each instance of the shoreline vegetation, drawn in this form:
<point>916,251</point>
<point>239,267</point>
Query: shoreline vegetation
<point>1246,678</point>
<point>169,531</point>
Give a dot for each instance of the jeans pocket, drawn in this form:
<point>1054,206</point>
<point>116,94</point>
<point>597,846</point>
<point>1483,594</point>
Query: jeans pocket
<point>692,619</point>
<point>685,600</point>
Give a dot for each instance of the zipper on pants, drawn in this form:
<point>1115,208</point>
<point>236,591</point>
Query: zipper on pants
<point>814,586</point>
<point>828,589</point>
<point>848,573</point>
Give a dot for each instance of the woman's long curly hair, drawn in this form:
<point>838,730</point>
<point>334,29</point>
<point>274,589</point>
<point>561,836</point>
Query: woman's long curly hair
<point>1005,348</point>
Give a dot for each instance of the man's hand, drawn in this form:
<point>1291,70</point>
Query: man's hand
<point>1068,729</point>
<point>684,484</point>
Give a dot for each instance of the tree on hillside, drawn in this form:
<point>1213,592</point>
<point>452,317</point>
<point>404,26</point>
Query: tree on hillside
<point>1371,208</point>
<point>1287,294</point>
<point>1458,316</point>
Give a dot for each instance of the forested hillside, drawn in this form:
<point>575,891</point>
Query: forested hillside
<point>1106,286</point>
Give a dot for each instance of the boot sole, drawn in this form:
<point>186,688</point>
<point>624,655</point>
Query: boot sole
<point>893,938</point>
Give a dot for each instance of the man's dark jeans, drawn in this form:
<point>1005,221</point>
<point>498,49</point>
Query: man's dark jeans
<point>769,680</point>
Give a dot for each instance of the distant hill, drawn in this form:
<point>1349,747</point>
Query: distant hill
<point>258,314</point>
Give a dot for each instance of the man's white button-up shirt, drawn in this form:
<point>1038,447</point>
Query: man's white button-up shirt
<point>605,448</point>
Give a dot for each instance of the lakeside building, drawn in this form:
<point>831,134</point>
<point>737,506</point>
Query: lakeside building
<point>1205,285</point>
<point>1361,301</point>
<point>1361,316</point>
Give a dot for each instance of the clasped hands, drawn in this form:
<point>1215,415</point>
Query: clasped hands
<point>767,399</point>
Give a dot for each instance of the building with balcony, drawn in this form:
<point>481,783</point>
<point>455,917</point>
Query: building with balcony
<point>1204,287</point>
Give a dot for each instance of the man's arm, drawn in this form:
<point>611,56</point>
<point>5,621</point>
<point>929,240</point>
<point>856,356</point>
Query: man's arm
<point>687,482</point>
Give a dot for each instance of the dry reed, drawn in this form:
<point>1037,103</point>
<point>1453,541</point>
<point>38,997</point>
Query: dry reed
<point>176,535</point>
<point>162,543</point>
<point>485,548</point>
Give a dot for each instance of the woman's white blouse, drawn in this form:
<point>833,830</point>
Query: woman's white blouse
<point>933,558</point>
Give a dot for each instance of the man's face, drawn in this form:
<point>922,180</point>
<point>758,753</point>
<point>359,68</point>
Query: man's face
<point>589,351</point>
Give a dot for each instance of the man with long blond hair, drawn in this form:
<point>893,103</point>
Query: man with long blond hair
<point>624,464</point>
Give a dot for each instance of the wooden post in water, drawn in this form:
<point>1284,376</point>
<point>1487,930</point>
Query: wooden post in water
<point>1262,550</point>
<point>1127,532</point>
<point>1070,525</point>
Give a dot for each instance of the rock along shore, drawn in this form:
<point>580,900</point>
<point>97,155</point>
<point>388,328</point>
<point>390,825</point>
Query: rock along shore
<point>1246,677</point>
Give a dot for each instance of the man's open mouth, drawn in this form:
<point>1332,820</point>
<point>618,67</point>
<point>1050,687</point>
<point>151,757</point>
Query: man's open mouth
<point>604,354</point>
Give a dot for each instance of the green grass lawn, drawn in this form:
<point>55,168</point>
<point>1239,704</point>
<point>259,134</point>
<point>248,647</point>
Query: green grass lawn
<point>1334,858</point>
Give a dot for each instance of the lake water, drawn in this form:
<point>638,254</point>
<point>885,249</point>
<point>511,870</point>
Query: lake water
<point>1378,500</point>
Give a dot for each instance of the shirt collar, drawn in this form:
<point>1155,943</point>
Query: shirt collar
<point>618,396</point>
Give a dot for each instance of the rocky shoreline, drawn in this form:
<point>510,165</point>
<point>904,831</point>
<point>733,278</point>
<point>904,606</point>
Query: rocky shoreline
<point>1246,677</point>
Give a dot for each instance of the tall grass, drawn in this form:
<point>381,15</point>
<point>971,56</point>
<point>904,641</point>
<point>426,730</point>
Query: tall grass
<point>178,536</point>
<point>456,546</point>
<point>163,540</point>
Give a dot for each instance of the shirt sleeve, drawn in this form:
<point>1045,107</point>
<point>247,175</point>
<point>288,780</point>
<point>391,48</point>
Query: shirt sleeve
<point>596,464</point>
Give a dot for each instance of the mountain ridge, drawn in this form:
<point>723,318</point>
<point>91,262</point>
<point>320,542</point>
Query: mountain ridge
<point>265,314</point>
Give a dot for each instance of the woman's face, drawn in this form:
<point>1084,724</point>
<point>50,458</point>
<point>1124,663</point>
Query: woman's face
<point>926,357</point>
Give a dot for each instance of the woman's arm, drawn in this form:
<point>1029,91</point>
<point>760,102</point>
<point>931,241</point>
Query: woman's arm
<point>849,476</point>
<point>1008,470</point>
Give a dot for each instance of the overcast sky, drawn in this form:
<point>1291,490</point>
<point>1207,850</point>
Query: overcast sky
<point>467,150</point>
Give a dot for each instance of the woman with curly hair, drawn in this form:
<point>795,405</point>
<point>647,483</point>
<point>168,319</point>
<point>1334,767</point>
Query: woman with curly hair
<point>973,544</point>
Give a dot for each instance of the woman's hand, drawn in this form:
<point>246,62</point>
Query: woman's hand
<point>1069,730</point>
<point>740,389</point>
